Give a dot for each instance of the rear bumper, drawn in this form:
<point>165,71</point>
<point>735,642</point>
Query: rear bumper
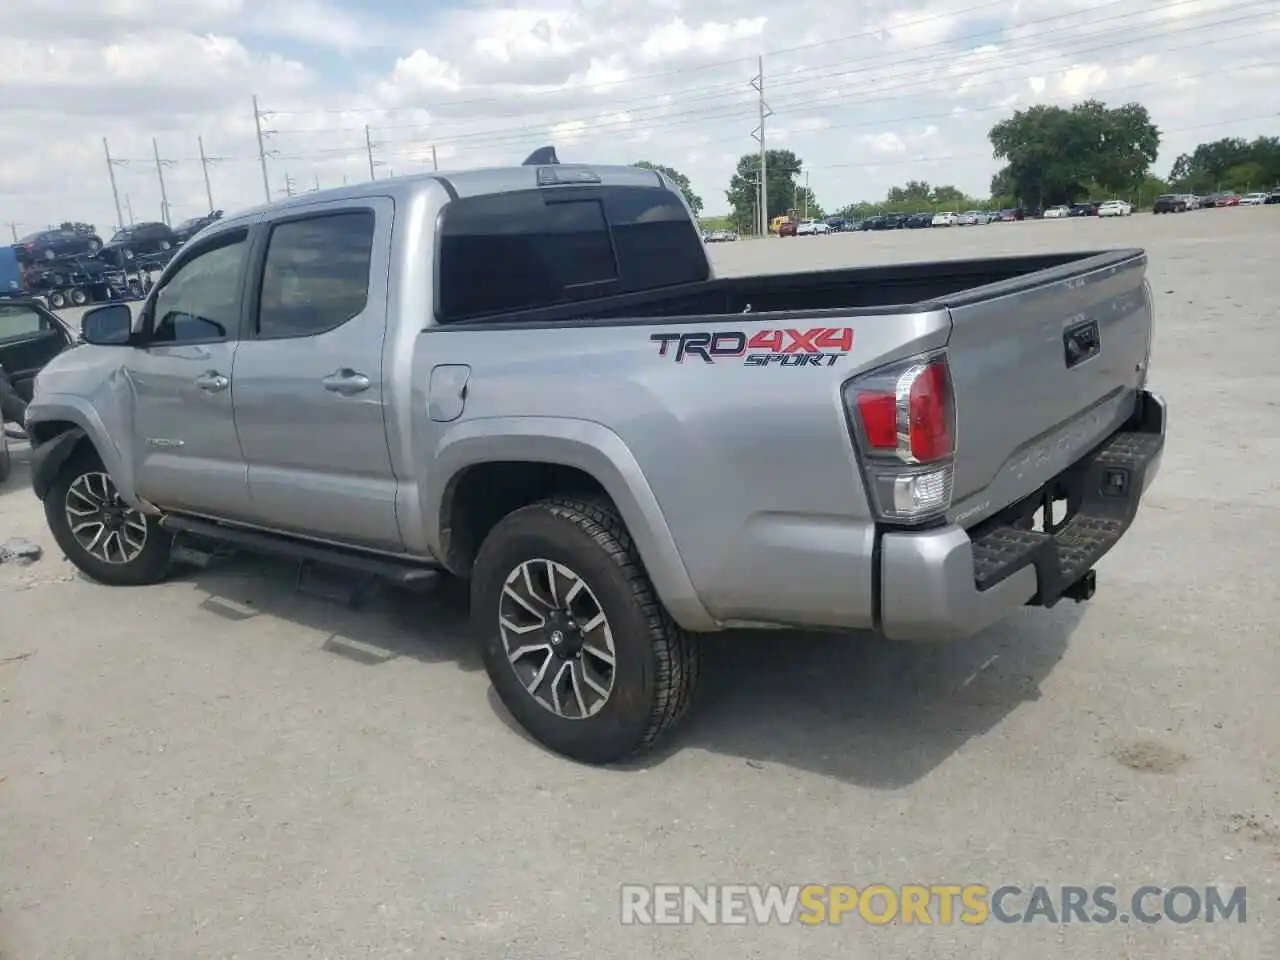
<point>949,582</point>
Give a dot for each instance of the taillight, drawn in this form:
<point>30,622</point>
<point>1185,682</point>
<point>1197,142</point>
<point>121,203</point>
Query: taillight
<point>905,428</point>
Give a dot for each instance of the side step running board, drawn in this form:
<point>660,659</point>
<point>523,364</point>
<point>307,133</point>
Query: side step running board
<point>255,541</point>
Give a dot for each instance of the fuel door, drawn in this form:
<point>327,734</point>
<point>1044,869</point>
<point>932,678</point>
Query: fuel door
<point>447,396</point>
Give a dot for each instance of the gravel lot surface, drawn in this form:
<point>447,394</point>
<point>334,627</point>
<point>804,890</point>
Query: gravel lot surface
<point>220,767</point>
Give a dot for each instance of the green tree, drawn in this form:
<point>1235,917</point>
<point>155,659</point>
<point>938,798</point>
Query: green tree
<point>1230,163</point>
<point>1057,155</point>
<point>781,169</point>
<point>806,204</point>
<point>679,179</point>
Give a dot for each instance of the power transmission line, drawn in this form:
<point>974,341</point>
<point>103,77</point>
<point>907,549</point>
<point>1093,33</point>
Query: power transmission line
<point>520,134</point>
<point>921,54</point>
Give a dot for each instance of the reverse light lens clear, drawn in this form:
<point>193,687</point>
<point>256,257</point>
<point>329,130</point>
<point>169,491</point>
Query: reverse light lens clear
<point>904,429</point>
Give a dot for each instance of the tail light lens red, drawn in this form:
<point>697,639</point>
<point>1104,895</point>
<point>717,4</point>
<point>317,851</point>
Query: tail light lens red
<point>905,428</point>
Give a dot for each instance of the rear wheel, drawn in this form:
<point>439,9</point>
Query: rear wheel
<point>574,638</point>
<point>78,297</point>
<point>57,299</point>
<point>101,534</point>
<point>95,245</point>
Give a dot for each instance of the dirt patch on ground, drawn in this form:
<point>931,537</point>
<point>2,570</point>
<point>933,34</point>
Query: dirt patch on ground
<point>1148,756</point>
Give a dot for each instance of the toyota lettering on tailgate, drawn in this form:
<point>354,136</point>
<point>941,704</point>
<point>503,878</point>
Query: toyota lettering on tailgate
<point>815,347</point>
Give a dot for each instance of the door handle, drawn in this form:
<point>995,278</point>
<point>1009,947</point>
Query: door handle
<point>213,382</point>
<point>346,382</point>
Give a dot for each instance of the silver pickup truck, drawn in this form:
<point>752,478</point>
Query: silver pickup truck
<point>530,378</point>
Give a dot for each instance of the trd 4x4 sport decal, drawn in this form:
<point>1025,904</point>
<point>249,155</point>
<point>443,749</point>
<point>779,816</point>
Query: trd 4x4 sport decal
<point>816,347</point>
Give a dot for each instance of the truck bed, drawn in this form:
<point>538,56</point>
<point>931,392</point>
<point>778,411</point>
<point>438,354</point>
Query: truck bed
<point>853,291</point>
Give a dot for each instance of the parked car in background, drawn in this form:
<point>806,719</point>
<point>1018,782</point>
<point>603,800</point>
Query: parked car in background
<point>1086,209</point>
<point>1057,213</point>
<point>944,219</point>
<point>787,228</point>
<point>916,221</point>
<point>810,228</point>
<point>1170,203</point>
<point>839,224</point>
<point>143,238</point>
<point>1193,202</point>
<point>68,240</point>
<point>1253,199</point>
<point>1273,197</point>
<point>1010,215</point>
<point>1115,208</point>
<point>1221,198</point>
<point>189,228</point>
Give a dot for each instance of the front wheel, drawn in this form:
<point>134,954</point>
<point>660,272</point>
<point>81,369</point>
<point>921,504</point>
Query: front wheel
<point>102,535</point>
<point>574,638</point>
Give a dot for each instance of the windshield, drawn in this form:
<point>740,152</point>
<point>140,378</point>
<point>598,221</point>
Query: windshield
<point>121,235</point>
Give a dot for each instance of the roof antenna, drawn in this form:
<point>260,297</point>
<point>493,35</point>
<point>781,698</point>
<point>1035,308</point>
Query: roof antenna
<point>541,157</point>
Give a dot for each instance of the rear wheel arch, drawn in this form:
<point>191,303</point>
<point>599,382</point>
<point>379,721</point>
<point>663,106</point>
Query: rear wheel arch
<point>530,459</point>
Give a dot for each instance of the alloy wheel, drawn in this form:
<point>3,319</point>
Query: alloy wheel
<point>557,638</point>
<point>106,527</point>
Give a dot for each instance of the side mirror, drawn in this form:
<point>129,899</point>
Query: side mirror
<point>107,326</point>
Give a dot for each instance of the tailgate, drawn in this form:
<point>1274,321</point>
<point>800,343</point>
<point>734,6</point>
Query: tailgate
<point>1044,367</point>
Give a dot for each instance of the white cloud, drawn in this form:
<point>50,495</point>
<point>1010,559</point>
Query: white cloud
<point>889,89</point>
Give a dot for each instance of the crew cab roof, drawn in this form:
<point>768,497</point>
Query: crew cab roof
<point>471,183</point>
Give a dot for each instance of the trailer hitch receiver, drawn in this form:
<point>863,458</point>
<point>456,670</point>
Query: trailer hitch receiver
<point>1084,588</point>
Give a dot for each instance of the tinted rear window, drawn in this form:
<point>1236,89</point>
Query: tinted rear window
<point>519,251</point>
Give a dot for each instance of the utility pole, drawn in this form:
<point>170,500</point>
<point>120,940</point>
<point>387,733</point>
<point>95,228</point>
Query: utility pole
<point>111,172</point>
<point>160,165</point>
<point>288,184</point>
<point>128,205</point>
<point>368,146</point>
<point>13,228</point>
<point>262,150</point>
<point>806,195</point>
<point>435,165</point>
<point>204,163</point>
<point>758,83</point>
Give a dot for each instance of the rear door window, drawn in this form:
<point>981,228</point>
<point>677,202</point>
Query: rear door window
<point>511,252</point>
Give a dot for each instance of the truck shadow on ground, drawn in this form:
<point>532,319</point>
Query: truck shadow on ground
<point>850,706</point>
<point>383,624</point>
<point>861,709</point>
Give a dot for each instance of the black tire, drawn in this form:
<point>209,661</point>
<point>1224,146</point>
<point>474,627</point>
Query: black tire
<point>6,458</point>
<point>57,300</point>
<point>165,245</point>
<point>94,246</point>
<point>78,297</point>
<point>656,666</point>
<point>49,254</point>
<point>149,566</point>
